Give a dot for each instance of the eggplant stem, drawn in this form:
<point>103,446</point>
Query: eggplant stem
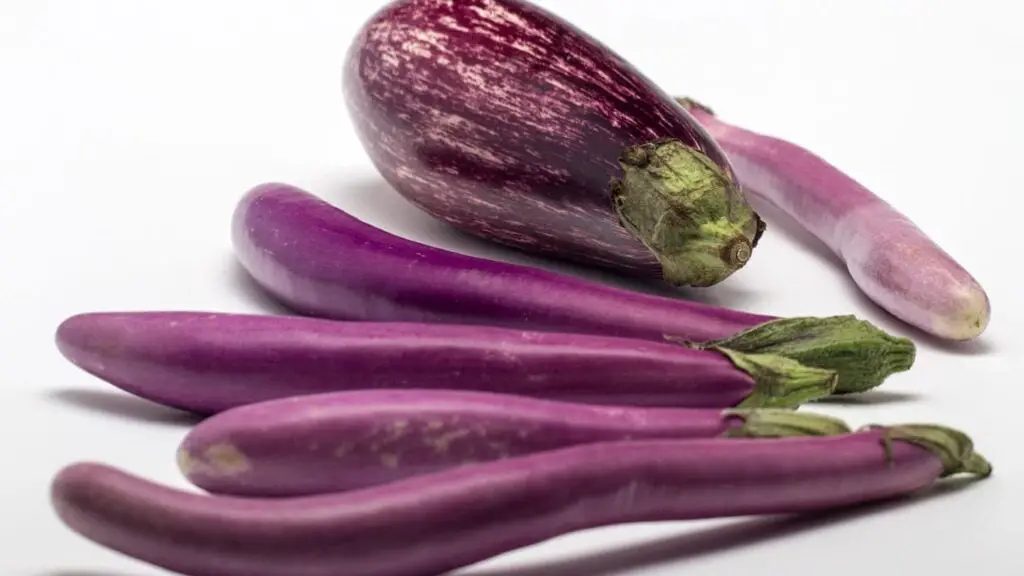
<point>780,382</point>
<point>782,423</point>
<point>953,447</point>
<point>859,352</point>
<point>686,210</point>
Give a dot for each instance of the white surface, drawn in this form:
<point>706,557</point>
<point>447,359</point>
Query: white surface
<point>128,130</point>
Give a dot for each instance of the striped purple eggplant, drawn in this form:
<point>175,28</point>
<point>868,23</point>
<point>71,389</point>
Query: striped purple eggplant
<point>512,124</point>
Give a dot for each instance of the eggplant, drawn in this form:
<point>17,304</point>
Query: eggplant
<point>434,523</point>
<point>340,441</point>
<point>511,124</point>
<point>890,259</point>
<point>207,362</point>
<point>321,261</point>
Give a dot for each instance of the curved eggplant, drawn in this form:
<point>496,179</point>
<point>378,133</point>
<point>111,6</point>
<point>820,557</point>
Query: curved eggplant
<point>321,261</point>
<point>435,523</point>
<point>890,259</point>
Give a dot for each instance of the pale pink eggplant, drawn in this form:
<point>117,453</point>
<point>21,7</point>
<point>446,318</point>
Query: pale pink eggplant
<point>891,260</point>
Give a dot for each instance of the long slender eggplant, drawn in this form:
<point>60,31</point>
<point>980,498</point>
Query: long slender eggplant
<point>206,363</point>
<point>889,257</point>
<point>349,440</point>
<point>512,124</point>
<point>435,523</point>
<point>321,261</point>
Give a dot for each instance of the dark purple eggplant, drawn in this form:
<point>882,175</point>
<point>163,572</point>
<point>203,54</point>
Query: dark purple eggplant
<point>509,123</point>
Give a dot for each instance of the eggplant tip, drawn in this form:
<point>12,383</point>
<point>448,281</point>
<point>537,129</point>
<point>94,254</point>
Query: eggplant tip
<point>971,315</point>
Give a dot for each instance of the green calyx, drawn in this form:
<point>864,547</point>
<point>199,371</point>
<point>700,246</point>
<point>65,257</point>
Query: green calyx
<point>781,423</point>
<point>686,210</point>
<point>780,382</point>
<point>860,353</point>
<point>954,448</point>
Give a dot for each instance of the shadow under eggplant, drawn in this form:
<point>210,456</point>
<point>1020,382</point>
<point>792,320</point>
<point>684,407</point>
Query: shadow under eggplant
<point>874,397</point>
<point>124,406</point>
<point>690,546</point>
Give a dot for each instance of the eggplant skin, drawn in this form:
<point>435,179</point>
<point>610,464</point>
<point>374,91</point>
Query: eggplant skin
<point>432,524</point>
<point>210,362</point>
<point>507,122</point>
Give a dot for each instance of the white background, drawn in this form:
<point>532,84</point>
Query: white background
<point>128,129</point>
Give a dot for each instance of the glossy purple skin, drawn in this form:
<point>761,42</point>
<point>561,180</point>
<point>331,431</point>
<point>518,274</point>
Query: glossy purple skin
<point>507,122</point>
<point>343,441</point>
<point>208,362</point>
<point>440,522</point>
<point>321,261</point>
